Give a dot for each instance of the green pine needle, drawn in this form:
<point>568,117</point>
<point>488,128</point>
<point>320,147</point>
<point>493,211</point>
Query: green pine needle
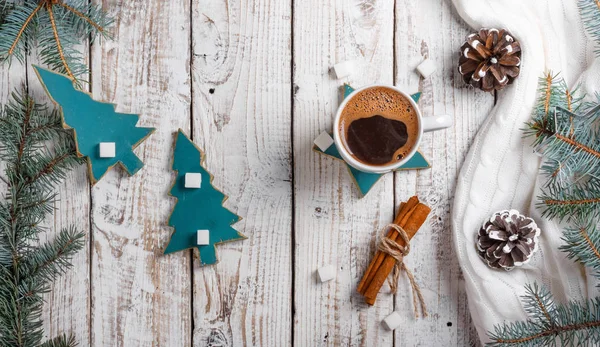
<point>551,324</point>
<point>37,153</point>
<point>56,27</point>
<point>580,200</point>
<point>590,16</point>
<point>60,341</point>
<point>565,133</point>
<point>5,8</point>
<point>583,243</point>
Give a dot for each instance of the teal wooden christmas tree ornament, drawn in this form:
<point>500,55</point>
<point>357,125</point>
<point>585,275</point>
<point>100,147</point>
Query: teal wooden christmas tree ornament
<point>365,180</point>
<point>95,124</point>
<point>199,218</point>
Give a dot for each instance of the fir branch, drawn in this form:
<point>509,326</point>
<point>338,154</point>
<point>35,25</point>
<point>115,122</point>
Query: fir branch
<point>57,27</point>
<point>82,16</point>
<point>577,145</point>
<point>568,142</point>
<point>49,166</point>
<point>38,153</point>
<point>582,243</point>
<point>21,31</point>
<point>57,49</point>
<point>5,8</point>
<point>551,324</point>
<point>59,46</point>
<point>590,113</point>
<point>88,19</point>
<point>590,16</point>
<point>565,131</point>
<point>17,29</point>
<point>60,341</point>
<point>568,203</point>
<point>54,258</point>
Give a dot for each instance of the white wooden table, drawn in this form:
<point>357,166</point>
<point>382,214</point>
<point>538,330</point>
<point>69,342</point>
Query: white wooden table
<point>250,81</point>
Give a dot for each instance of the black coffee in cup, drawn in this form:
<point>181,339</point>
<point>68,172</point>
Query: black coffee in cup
<point>379,126</point>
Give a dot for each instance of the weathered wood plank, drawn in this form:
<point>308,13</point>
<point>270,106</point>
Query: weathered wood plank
<point>243,106</point>
<point>11,77</point>
<point>433,258</point>
<point>332,224</point>
<point>242,120</point>
<point>139,296</point>
<point>66,308</point>
<point>67,305</point>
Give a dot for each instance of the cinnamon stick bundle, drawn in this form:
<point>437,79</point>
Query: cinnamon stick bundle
<point>411,216</point>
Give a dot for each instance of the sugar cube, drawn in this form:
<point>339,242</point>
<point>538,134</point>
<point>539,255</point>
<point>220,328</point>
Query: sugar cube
<point>392,321</point>
<point>107,150</point>
<point>193,180</point>
<point>203,237</point>
<point>343,69</point>
<point>426,68</point>
<point>324,141</point>
<point>326,273</point>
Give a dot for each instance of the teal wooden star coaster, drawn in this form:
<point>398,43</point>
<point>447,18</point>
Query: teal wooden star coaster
<point>365,180</point>
<point>95,123</point>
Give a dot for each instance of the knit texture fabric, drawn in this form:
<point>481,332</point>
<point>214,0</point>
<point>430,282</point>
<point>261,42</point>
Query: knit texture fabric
<point>501,171</point>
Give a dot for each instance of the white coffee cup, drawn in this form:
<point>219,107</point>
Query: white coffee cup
<point>426,124</point>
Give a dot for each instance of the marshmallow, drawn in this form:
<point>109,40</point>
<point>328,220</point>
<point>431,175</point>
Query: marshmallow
<point>392,321</point>
<point>107,150</point>
<point>343,69</point>
<point>326,273</point>
<point>203,237</point>
<point>193,180</point>
<point>426,68</point>
<point>324,141</point>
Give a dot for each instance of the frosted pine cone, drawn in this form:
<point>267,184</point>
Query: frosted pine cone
<point>507,240</point>
<point>490,59</point>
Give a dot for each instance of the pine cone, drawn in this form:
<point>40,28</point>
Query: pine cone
<point>507,240</point>
<point>490,59</point>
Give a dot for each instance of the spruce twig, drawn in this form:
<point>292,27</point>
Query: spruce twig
<point>551,324</point>
<point>38,153</point>
<point>590,16</point>
<point>564,129</point>
<point>564,132</point>
<point>57,26</point>
<point>583,243</point>
<point>60,341</point>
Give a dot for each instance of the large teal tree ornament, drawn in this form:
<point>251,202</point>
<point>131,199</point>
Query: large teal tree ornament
<point>365,180</point>
<point>198,209</point>
<point>95,122</point>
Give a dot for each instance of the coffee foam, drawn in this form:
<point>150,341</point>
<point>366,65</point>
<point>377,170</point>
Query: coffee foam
<point>385,102</point>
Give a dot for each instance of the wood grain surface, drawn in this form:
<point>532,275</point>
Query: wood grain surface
<point>141,297</point>
<point>433,258</point>
<point>242,118</point>
<point>333,225</point>
<point>68,302</point>
<point>251,82</point>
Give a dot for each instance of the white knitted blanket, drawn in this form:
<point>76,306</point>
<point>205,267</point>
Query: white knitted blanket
<point>502,172</point>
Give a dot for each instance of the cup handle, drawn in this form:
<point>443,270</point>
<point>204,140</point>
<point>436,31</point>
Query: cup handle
<point>437,122</point>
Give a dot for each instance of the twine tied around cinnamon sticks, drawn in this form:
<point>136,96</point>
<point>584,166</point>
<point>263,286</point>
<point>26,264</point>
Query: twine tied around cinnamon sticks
<point>398,252</point>
<point>411,216</point>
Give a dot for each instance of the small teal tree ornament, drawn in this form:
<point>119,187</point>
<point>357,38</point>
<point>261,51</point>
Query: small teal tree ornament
<point>95,123</point>
<point>199,210</point>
